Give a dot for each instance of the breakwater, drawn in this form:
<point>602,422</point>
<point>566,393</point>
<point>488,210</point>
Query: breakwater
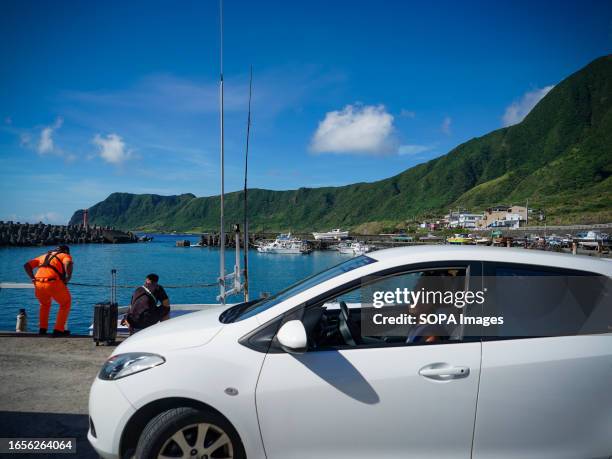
<point>214,240</point>
<point>32,234</point>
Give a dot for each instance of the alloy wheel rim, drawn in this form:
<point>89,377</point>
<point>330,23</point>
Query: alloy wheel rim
<point>198,441</point>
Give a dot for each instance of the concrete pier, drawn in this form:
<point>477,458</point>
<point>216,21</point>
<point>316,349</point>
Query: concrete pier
<point>45,387</point>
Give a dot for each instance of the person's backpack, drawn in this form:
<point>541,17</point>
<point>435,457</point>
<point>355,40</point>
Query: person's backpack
<point>143,309</point>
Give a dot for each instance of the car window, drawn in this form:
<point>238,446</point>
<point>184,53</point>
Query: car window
<point>536,301</point>
<point>248,310</point>
<point>328,326</point>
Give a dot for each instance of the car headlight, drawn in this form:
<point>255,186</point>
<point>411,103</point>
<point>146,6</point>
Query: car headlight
<point>122,365</point>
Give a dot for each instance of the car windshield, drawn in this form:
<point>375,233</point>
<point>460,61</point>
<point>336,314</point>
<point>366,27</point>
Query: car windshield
<point>246,310</point>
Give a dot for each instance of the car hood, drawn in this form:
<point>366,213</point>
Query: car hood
<point>188,330</point>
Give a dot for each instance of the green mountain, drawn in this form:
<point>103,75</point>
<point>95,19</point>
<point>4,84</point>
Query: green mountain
<point>559,157</point>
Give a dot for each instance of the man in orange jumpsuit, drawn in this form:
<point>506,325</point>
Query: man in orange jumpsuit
<point>50,282</point>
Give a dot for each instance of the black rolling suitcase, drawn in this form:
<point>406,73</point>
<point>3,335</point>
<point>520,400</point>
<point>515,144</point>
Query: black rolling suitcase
<point>106,315</point>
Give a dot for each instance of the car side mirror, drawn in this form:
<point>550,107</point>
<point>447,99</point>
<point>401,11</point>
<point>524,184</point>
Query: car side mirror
<point>292,337</point>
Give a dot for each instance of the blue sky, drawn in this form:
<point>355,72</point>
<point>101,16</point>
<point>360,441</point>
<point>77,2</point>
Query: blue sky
<point>97,97</point>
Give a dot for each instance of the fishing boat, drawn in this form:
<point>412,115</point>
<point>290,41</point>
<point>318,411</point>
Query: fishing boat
<point>360,248</point>
<point>285,244</point>
<point>345,247</point>
<point>335,234</point>
<point>460,239</point>
<point>353,248</point>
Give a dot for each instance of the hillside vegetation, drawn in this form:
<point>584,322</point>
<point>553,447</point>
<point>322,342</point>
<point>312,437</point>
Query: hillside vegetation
<point>559,157</point>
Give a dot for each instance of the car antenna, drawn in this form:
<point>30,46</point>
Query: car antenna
<point>222,158</point>
<point>246,169</point>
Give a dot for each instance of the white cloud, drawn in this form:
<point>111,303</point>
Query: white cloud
<point>355,129</point>
<point>519,109</point>
<point>409,150</point>
<point>446,125</point>
<point>45,144</point>
<point>53,218</point>
<point>112,148</point>
<point>46,141</point>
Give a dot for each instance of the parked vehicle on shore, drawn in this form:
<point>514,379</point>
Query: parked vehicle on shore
<point>592,239</point>
<point>431,238</point>
<point>483,240</point>
<point>555,241</point>
<point>295,376</point>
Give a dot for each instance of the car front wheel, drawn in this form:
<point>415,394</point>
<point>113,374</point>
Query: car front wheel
<point>189,433</point>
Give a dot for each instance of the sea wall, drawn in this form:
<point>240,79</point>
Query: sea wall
<point>31,234</point>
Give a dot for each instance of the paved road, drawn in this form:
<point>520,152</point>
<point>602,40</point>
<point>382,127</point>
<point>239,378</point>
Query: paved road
<point>44,387</point>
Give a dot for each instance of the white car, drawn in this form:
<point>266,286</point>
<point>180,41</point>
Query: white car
<point>292,376</point>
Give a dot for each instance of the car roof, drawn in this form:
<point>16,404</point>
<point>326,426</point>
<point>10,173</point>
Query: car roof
<point>427,253</point>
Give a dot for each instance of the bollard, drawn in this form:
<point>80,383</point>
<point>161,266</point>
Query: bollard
<point>22,321</point>
<point>574,248</point>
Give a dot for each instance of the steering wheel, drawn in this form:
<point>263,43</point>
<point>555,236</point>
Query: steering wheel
<point>344,325</point>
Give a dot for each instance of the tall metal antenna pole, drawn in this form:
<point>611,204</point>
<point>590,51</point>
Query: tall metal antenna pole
<point>221,218</point>
<point>246,170</point>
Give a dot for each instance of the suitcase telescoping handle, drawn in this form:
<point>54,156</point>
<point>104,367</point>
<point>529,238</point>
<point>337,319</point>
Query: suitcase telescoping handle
<point>113,295</point>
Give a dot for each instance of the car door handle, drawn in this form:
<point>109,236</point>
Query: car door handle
<point>444,371</point>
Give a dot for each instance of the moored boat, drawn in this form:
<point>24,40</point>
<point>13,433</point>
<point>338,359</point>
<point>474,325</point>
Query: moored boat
<point>335,234</point>
<point>353,248</point>
<point>360,248</point>
<point>345,247</point>
<point>285,244</point>
<point>461,239</point>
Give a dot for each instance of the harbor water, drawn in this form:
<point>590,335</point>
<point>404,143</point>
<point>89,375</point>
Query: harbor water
<point>175,266</point>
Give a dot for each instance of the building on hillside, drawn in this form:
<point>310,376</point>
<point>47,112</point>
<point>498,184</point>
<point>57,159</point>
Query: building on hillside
<point>504,217</point>
<point>432,226</point>
<point>462,219</point>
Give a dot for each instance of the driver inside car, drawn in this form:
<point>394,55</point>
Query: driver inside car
<point>436,280</point>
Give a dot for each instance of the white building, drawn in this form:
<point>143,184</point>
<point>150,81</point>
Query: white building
<point>504,217</point>
<point>466,220</point>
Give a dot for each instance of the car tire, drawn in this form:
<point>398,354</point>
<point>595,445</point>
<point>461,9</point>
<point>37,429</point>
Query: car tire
<point>188,432</point>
